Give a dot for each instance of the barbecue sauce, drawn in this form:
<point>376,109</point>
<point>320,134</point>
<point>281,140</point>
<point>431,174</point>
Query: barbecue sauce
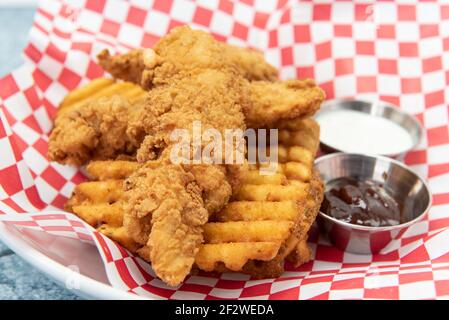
<point>361,202</point>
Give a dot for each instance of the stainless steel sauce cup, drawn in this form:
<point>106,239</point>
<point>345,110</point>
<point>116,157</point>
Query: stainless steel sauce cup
<point>378,109</point>
<point>407,187</point>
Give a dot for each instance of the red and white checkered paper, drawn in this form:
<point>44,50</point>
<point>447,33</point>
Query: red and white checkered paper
<point>397,52</point>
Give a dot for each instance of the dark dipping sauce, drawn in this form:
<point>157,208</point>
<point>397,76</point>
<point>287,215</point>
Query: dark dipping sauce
<point>361,202</point>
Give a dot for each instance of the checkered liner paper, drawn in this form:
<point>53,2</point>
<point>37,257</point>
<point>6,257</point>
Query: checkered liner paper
<point>396,52</point>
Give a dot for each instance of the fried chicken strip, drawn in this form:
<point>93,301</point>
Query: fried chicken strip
<point>173,200</point>
<point>181,51</point>
<point>108,127</point>
<point>214,99</point>
<point>166,206</point>
<point>272,102</point>
<point>209,98</point>
<point>100,129</point>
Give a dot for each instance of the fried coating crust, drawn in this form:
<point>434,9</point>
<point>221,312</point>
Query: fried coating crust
<point>193,78</point>
<point>272,102</point>
<point>108,127</point>
<point>100,129</point>
<point>250,63</point>
<point>179,198</point>
<point>129,66</point>
<point>214,183</point>
<point>180,52</point>
<point>213,98</point>
<point>171,197</point>
<point>166,206</point>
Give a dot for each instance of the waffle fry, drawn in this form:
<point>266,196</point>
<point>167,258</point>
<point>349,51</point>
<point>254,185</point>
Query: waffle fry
<point>105,170</point>
<point>266,223</point>
<point>287,202</point>
<point>99,88</point>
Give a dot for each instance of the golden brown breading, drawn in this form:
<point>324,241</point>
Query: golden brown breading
<point>269,104</point>
<point>179,197</point>
<point>193,78</point>
<point>130,66</point>
<point>212,97</point>
<point>272,102</point>
<point>215,184</point>
<point>180,52</point>
<point>250,63</point>
<point>171,197</point>
<point>166,206</point>
<point>100,129</point>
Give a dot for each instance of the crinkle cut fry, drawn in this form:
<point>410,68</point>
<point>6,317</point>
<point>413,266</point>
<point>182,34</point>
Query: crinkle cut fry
<point>294,246</point>
<point>100,88</point>
<point>108,218</point>
<point>100,203</point>
<point>301,210</point>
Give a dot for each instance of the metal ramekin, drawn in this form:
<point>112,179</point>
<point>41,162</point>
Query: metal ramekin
<point>406,185</point>
<point>379,109</point>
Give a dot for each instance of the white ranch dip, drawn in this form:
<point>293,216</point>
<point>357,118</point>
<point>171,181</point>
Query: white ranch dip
<point>358,132</point>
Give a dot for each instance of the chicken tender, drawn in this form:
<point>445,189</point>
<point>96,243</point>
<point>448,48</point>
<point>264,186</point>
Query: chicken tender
<point>180,52</point>
<point>212,98</point>
<point>171,197</point>
<point>100,129</point>
<point>272,102</point>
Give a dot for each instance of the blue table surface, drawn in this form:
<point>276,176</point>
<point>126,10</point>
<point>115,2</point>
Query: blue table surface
<point>19,280</point>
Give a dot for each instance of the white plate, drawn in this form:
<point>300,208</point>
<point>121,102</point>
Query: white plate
<point>58,257</point>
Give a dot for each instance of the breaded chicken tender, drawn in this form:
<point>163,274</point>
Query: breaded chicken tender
<point>272,102</point>
<point>180,52</point>
<point>170,200</point>
<point>100,129</point>
<point>167,204</point>
<point>214,99</point>
<point>109,127</point>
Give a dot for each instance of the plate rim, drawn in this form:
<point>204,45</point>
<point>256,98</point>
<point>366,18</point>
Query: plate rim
<point>89,288</point>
